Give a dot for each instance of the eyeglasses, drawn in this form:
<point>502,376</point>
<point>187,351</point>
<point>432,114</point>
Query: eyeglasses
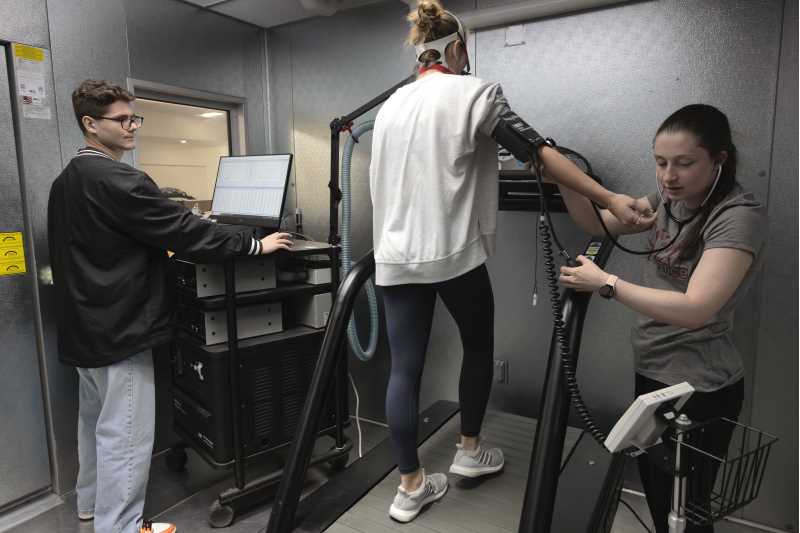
<point>126,122</point>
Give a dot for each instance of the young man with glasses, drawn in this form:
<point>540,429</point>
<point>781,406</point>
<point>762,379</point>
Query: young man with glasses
<point>109,228</point>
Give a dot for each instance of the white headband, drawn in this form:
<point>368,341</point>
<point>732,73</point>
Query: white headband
<point>441,44</point>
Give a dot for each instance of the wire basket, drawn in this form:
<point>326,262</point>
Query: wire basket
<point>717,484</point>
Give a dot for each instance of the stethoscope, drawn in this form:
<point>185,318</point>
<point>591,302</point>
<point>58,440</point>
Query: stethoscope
<point>667,208</point>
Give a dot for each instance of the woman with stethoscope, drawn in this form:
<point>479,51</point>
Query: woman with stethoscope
<point>704,248</point>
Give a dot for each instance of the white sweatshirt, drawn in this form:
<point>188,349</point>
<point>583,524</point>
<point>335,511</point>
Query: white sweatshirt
<point>434,180</point>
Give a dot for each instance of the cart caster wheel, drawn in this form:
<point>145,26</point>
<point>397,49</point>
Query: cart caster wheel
<point>176,459</point>
<point>338,463</point>
<point>220,515</point>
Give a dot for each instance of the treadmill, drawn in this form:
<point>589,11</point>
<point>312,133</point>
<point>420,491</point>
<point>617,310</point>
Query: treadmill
<point>571,483</point>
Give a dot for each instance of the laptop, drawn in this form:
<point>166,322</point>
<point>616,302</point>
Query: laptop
<point>251,190</point>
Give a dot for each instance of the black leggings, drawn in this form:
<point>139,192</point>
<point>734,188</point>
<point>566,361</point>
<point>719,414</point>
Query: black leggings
<point>701,406</point>
<point>409,312</point>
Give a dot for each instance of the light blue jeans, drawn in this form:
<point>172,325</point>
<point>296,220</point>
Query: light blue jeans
<point>116,426</point>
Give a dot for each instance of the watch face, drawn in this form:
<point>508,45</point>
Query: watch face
<point>606,291</point>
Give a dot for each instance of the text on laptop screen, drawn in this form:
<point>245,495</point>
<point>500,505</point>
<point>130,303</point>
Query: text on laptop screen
<point>251,185</point>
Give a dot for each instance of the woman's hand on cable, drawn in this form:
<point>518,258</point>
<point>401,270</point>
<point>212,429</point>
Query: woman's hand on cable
<point>631,212</point>
<point>276,241</point>
<point>586,277</point>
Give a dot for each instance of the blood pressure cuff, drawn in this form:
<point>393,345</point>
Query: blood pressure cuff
<point>518,137</point>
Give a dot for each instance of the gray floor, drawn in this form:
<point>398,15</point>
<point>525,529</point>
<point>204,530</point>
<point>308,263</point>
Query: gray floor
<point>184,498</point>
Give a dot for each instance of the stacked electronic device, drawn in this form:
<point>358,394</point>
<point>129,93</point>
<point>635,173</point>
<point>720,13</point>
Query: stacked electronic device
<point>280,320</point>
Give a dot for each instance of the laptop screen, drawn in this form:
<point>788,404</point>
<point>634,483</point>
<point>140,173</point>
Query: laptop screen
<point>251,187</point>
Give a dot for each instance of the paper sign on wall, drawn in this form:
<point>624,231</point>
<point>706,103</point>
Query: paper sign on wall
<point>31,86</point>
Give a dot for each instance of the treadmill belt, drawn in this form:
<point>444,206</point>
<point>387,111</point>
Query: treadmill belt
<point>491,504</point>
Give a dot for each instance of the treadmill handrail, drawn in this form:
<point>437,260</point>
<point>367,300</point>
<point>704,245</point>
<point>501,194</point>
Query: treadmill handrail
<point>545,465</point>
<point>284,509</point>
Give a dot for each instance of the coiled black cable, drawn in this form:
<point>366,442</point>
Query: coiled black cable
<point>567,364</point>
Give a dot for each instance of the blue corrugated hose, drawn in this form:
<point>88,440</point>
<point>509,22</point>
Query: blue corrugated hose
<point>352,334</point>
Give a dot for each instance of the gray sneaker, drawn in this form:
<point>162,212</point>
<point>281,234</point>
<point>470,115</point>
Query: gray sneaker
<point>407,505</point>
<point>478,462</point>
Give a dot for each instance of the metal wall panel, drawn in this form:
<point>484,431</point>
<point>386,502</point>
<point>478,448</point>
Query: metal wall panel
<point>601,82</point>
<point>279,102</point>
<point>24,461</point>
<point>177,44</point>
<point>78,54</point>
<point>775,384</point>
<point>337,65</point>
<point>24,21</point>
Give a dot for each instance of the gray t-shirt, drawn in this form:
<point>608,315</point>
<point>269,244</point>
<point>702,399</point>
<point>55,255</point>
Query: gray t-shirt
<point>705,357</point>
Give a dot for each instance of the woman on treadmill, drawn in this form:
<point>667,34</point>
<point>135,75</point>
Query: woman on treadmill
<point>692,282</point>
<point>434,188</point>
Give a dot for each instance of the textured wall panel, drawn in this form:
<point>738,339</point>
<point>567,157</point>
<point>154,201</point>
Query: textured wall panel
<point>601,82</point>
<point>775,387</point>
<point>281,110</point>
<point>79,54</point>
<point>24,21</point>
<point>338,64</point>
<point>176,44</point>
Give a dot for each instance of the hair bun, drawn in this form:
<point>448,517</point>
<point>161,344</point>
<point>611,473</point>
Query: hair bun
<point>429,9</point>
<point>428,15</point>
<point>428,22</point>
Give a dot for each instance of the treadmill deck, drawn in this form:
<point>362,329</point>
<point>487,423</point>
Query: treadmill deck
<point>491,504</point>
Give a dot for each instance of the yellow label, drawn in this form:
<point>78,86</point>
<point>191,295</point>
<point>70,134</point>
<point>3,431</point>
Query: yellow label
<point>12,254</point>
<point>15,253</point>
<point>29,53</point>
<point>9,268</point>
<point>11,239</point>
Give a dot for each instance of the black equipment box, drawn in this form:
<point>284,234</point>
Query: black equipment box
<point>275,375</point>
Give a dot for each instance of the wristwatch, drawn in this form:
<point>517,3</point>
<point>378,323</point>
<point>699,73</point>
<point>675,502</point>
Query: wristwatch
<point>608,290</point>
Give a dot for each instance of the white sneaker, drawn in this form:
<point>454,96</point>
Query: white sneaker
<point>407,505</point>
<point>85,516</point>
<point>157,527</point>
<point>478,462</point>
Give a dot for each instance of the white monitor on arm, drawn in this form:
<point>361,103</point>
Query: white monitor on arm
<point>641,426</point>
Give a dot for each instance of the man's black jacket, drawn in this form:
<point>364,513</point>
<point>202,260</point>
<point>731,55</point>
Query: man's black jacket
<point>109,228</point>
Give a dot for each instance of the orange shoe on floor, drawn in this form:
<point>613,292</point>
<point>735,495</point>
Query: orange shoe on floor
<point>157,527</point>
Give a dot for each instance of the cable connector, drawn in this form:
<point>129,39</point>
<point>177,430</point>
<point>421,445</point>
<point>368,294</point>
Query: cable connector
<point>298,220</point>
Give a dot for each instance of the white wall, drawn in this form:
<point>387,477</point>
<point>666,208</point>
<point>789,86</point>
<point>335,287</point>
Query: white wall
<point>192,169</point>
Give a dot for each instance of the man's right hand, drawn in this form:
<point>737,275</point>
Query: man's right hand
<point>276,241</point>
